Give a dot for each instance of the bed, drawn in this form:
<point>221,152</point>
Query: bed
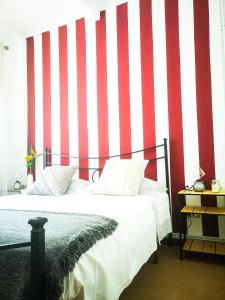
<point>104,270</point>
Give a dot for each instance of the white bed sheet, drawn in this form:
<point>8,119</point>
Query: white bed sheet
<point>161,206</point>
<point>109,266</point>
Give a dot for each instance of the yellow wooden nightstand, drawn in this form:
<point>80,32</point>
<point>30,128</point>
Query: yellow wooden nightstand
<point>196,245</point>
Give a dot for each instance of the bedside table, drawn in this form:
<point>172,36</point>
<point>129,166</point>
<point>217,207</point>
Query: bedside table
<point>196,245</point>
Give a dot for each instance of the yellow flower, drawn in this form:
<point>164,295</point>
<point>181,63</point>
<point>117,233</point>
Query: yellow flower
<point>28,158</point>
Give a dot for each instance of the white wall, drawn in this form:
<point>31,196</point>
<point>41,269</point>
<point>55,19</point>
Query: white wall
<point>16,118</point>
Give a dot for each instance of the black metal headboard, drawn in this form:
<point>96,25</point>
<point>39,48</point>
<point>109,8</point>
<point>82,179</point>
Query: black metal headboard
<point>48,162</point>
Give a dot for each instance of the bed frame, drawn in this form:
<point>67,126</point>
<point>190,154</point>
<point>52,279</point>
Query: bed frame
<point>37,242</point>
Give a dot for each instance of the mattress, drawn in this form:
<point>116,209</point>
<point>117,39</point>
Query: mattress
<point>111,264</point>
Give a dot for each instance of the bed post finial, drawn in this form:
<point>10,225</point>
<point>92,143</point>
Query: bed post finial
<point>38,289</point>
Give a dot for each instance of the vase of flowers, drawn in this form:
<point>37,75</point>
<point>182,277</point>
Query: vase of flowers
<point>30,180</point>
<point>30,159</point>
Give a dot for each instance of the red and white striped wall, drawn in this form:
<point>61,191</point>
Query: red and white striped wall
<point>147,69</point>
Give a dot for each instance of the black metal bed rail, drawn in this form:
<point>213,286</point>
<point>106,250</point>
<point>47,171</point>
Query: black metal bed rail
<point>37,268</point>
<point>102,157</point>
<point>14,246</point>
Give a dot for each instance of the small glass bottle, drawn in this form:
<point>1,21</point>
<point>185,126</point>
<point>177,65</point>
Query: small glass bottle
<point>215,186</point>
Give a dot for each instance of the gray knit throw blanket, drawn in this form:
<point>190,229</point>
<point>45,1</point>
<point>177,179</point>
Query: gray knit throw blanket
<point>68,236</point>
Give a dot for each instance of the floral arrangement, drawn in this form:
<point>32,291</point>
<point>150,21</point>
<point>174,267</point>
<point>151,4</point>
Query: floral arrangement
<point>29,158</point>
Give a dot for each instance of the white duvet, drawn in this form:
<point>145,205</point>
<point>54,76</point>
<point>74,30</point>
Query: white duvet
<point>109,266</point>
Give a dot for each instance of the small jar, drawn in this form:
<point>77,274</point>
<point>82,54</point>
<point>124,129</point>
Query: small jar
<point>215,186</point>
<point>199,186</point>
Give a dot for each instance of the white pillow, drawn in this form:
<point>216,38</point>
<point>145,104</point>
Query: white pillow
<point>151,185</point>
<point>52,180</point>
<point>78,185</point>
<point>120,177</point>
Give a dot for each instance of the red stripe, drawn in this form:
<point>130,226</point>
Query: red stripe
<point>147,76</point>
<point>123,78</point>
<point>46,63</point>
<point>82,95</point>
<point>174,102</point>
<point>103,130</point>
<point>204,105</point>
<point>30,93</point>
<point>63,87</point>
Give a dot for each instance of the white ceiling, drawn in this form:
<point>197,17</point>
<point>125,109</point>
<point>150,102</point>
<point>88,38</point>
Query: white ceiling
<point>26,17</point>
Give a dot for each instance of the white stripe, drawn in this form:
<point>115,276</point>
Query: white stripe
<point>72,92</point>
<point>55,100</point>
<point>135,76</point>
<point>217,39</point>
<point>217,78</point>
<point>112,82</point>
<point>160,80</point>
<point>188,91</point>
<point>189,108</point>
<point>92,113</point>
<point>38,100</point>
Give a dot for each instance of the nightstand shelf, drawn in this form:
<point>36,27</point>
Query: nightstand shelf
<point>220,211</point>
<point>204,246</point>
<point>206,192</point>
<point>195,245</point>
